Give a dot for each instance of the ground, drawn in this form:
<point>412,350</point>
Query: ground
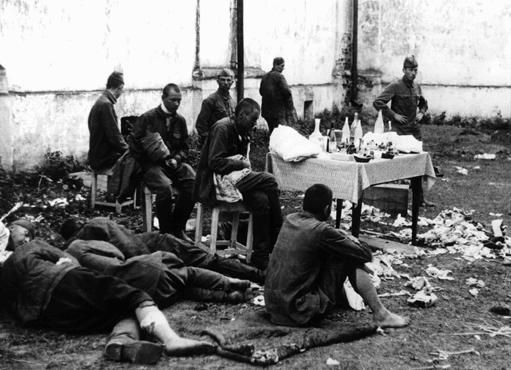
<point>455,323</point>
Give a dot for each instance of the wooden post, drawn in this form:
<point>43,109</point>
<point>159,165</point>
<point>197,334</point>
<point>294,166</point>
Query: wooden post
<point>240,71</point>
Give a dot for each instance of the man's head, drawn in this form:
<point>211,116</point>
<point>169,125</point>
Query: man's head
<point>318,201</point>
<point>171,97</point>
<point>410,67</point>
<point>225,80</point>
<point>278,64</point>
<point>70,227</point>
<point>247,112</point>
<point>115,84</point>
<point>21,232</point>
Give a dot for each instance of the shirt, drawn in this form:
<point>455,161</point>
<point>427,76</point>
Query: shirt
<point>214,107</point>
<point>405,96</point>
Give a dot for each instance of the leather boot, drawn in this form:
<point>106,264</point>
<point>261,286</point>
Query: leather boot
<point>124,345</point>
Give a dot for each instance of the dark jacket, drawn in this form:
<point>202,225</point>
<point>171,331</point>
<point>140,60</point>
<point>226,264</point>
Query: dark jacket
<point>276,95</point>
<point>214,107</point>
<point>104,229</point>
<point>106,143</point>
<point>222,142</point>
<point>291,289</point>
<point>29,277</point>
<point>405,97</point>
<point>175,137</point>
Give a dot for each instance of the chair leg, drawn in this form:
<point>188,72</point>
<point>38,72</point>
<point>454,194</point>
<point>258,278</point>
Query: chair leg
<point>148,210</point>
<point>198,224</point>
<point>234,230</point>
<point>93,190</point>
<point>250,236</point>
<point>214,230</point>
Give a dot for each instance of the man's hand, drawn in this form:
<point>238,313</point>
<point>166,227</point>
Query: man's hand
<point>171,163</point>
<point>419,117</point>
<point>400,118</point>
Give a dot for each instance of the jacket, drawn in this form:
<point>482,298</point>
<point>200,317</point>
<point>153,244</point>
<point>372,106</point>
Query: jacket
<point>29,277</point>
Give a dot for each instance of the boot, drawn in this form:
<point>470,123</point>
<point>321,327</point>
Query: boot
<point>124,345</point>
<point>164,209</point>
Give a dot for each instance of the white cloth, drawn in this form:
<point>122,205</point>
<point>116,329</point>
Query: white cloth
<point>291,146</point>
<point>225,185</point>
<point>4,236</point>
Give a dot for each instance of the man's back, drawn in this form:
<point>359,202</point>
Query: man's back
<point>294,267</point>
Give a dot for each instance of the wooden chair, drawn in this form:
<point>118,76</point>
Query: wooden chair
<point>233,246</point>
<point>94,193</point>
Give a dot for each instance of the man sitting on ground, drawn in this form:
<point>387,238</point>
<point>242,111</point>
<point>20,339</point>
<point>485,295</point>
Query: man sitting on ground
<point>131,245</point>
<point>46,287</point>
<point>310,263</point>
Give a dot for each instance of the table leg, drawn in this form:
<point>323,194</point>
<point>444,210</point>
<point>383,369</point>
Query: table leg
<point>416,189</point>
<point>338,212</point>
<point>355,216</point>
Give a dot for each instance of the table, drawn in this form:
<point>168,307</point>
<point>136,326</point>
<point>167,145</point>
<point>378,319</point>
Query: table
<point>348,179</point>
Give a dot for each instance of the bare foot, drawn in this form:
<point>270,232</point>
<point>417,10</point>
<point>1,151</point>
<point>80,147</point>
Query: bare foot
<point>388,319</point>
<point>184,347</point>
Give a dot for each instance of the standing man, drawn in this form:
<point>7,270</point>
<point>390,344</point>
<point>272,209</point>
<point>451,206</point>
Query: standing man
<point>160,145</point>
<point>106,143</point>
<point>225,152</point>
<point>216,106</point>
<point>277,103</point>
<point>310,263</point>
<point>405,97</point>
<point>407,106</point>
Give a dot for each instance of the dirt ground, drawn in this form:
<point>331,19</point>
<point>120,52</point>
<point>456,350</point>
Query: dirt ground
<point>458,332</point>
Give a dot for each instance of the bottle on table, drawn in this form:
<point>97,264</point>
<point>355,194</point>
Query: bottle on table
<point>378,125</point>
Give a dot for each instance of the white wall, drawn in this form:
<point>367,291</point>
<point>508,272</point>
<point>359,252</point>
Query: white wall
<point>463,49</point>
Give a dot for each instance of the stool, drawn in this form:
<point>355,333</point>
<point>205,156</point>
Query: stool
<point>148,209</point>
<point>94,191</point>
<point>233,245</point>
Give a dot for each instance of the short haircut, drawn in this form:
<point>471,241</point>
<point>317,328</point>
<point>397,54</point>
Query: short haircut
<point>166,90</point>
<point>226,72</point>
<point>277,61</point>
<point>247,105</point>
<point>115,80</point>
<point>70,227</point>
<point>317,197</point>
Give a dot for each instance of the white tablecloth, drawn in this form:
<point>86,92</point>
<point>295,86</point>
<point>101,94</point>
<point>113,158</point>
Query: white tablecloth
<point>348,179</point>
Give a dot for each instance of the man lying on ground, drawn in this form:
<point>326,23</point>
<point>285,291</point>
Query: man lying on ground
<point>46,287</point>
<point>131,245</point>
<point>310,263</point>
<point>162,275</point>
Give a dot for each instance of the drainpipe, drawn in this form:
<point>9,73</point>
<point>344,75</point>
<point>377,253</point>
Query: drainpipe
<point>240,70</point>
<point>354,53</point>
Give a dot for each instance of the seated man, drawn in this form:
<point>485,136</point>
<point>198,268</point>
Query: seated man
<point>131,244</point>
<point>224,153</point>
<point>310,263</point>
<point>106,144</point>
<point>216,106</point>
<point>159,142</point>
<point>46,287</point>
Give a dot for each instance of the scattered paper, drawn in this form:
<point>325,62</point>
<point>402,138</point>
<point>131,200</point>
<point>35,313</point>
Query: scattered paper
<point>332,362</point>
<point>487,156</point>
<point>423,299</point>
<point>438,273</point>
<point>461,170</point>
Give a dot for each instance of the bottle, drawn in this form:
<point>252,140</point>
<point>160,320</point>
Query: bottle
<point>332,143</point>
<point>358,133</point>
<point>316,136</point>
<point>346,132</point>
<point>378,125</point>
<point>390,126</point>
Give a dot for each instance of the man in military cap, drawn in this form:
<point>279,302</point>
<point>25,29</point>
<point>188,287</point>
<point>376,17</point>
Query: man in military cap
<point>407,104</point>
